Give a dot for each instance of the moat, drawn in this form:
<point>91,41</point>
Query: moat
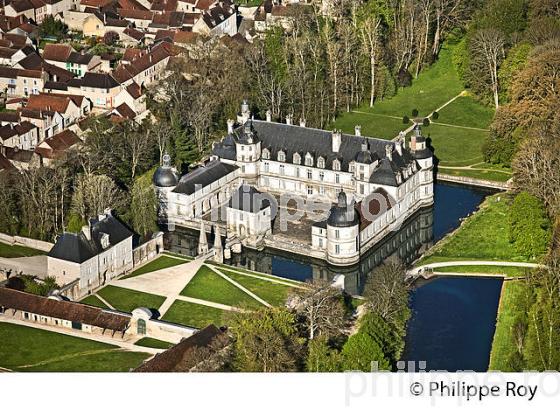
<point>452,320</point>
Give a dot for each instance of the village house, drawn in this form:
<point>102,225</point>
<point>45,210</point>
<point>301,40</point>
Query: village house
<point>44,8</point>
<point>70,107</point>
<point>20,159</point>
<point>55,146</point>
<point>64,56</point>
<point>100,88</point>
<point>219,19</point>
<point>24,8</point>
<point>48,122</point>
<point>10,56</point>
<point>23,136</point>
<point>20,82</point>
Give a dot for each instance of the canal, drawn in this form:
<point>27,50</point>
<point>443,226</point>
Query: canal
<point>453,319</point>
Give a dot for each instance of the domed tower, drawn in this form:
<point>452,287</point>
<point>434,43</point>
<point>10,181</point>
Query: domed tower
<point>343,233</point>
<point>424,156</point>
<point>365,162</point>
<point>248,150</point>
<point>165,180</point>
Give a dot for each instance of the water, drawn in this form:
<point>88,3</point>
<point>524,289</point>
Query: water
<point>453,323</point>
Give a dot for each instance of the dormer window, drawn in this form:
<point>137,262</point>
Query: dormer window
<point>352,167</point>
<point>104,241</point>
<point>297,159</point>
<point>281,156</point>
<point>336,165</point>
<point>399,178</point>
<point>266,154</point>
<point>309,160</point>
<point>321,162</point>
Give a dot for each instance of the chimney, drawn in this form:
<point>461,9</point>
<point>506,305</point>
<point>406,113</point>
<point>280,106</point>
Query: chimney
<point>289,119</point>
<point>86,230</point>
<point>268,116</point>
<point>245,112</point>
<point>389,151</point>
<point>365,145</point>
<point>230,124</point>
<point>302,122</point>
<point>358,130</point>
<point>399,145</point>
<point>336,140</point>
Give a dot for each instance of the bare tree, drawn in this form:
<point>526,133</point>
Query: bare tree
<point>93,194</point>
<point>370,33</point>
<point>488,45</point>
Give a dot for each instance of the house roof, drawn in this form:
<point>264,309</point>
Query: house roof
<point>125,72</point>
<point>125,111</point>
<point>21,5</point>
<point>249,199</point>
<point>9,117</point>
<point>65,310</point>
<point>164,5</point>
<point>136,14</point>
<point>11,130</point>
<point>99,80</point>
<point>95,3</point>
<point>203,176</point>
<point>179,357</point>
<point>134,90</point>
<point>5,163</point>
<point>77,248</point>
<point>8,72</point>
<point>49,102</point>
<point>55,145</point>
<point>57,52</point>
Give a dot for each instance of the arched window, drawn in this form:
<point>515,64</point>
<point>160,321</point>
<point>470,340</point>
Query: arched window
<point>266,153</point>
<point>308,160</point>
<point>297,159</point>
<point>141,327</point>
<point>281,156</point>
<point>321,162</point>
<point>336,165</point>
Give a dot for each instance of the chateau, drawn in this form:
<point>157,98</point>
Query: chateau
<point>367,187</point>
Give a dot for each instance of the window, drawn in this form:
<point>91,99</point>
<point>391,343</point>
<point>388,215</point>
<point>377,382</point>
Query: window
<point>297,159</point>
<point>352,168</point>
<point>322,190</point>
<point>309,160</point>
<point>321,176</point>
<point>321,162</point>
<point>266,167</point>
<point>337,178</point>
<point>309,174</point>
<point>141,327</point>
<point>337,249</point>
<point>309,190</point>
<point>281,156</point>
<point>337,234</point>
<point>266,154</point>
<point>336,165</point>
<point>282,170</point>
<point>297,172</point>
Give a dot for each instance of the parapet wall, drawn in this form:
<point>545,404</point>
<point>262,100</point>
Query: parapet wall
<point>28,242</point>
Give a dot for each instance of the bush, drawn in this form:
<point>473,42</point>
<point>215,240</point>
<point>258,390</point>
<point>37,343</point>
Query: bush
<point>404,78</point>
<point>435,115</point>
<point>415,112</point>
<point>426,122</point>
<point>405,119</point>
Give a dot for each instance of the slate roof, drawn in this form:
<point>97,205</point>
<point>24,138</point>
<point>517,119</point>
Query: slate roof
<point>11,130</point>
<point>77,248</point>
<point>203,176</point>
<point>61,309</point>
<point>249,199</point>
<point>98,80</point>
<point>378,203</point>
<point>291,139</point>
<point>57,144</point>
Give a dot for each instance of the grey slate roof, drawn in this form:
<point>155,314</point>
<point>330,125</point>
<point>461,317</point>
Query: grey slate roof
<point>203,176</point>
<point>250,199</point>
<point>77,248</point>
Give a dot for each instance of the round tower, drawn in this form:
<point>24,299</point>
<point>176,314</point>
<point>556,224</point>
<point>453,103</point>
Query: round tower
<point>248,150</point>
<point>343,233</point>
<point>165,179</point>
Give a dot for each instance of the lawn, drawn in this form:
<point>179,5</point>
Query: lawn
<point>477,174</point>
<point>127,300</point>
<point>373,125</point>
<point>483,236</point>
<point>154,343</point>
<point>50,351</point>
<point>455,146</point>
<point>273,293</point>
<point>509,271</point>
<point>511,306</point>
<point>16,251</point>
<point>157,264</point>
<point>465,111</point>
<point>208,285</point>
<point>226,268</point>
<point>194,315</point>
<point>93,300</point>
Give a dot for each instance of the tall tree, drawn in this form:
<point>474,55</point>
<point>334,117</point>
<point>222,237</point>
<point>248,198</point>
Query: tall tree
<point>488,45</point>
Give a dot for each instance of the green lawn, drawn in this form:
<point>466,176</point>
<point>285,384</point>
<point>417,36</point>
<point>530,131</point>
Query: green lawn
<point>157,264</point>
<point>127,300</point>
<point>154,343</point>
<point>208,285</point>
<point>16,251</point>
<point>373,125</point>
<point>483,236</point>
<point>226,268</point>
<point>467,112</point>
<point>511,306</point>
<point>50,351</point>
<point>93,300</point>
<point>273,293</point>
<point>194,315</point>
<point>455,146</point>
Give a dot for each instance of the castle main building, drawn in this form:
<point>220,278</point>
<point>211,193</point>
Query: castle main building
<point>369,186</point>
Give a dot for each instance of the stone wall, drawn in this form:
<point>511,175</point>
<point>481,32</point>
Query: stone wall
<point>27,242</point>
<point>148,250</point>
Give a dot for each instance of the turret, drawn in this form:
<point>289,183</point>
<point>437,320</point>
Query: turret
<point>165,179</point>
<point>343,230</point>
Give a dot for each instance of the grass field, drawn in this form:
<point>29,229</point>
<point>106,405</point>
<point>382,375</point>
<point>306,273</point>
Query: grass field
<point>194,315</point>
<point>227,268</point>
<point>93,300</point>
<point>160,263</point>
<point>511,306</point>
<point>455,146</point>
<point>16,251</point>
<point>127,300</point>
<point>155,343</point>
<point>28,349</point>
<point>465,111</point>
<point>273,293</point>
<point>208,285</point>
<point>483,236</point>
<point>509,271</point>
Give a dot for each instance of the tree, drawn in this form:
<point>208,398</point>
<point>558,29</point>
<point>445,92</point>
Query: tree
<point>321,307</point>
<point>362,353</point>
<point>488,46</point>
<point>51,27</point>
<point>93,194</point>
<point>265,341</point>
<point>143,206</point>
<point>321,357</point>
<point>529,226</point>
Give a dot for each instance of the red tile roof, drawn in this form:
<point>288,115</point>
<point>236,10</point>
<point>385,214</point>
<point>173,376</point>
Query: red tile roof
<point>57,52</point>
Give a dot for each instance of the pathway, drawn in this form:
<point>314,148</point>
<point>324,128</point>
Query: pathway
<point>431,266</point>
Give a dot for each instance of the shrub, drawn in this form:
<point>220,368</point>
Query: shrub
<point>426,122</point>
<point>404,78</point>
<point>405,119</point>
<point>415,112</point>
<point>435,115</point>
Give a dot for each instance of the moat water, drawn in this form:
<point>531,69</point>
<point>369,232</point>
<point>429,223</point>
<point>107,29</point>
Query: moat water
<point>453,319</point>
